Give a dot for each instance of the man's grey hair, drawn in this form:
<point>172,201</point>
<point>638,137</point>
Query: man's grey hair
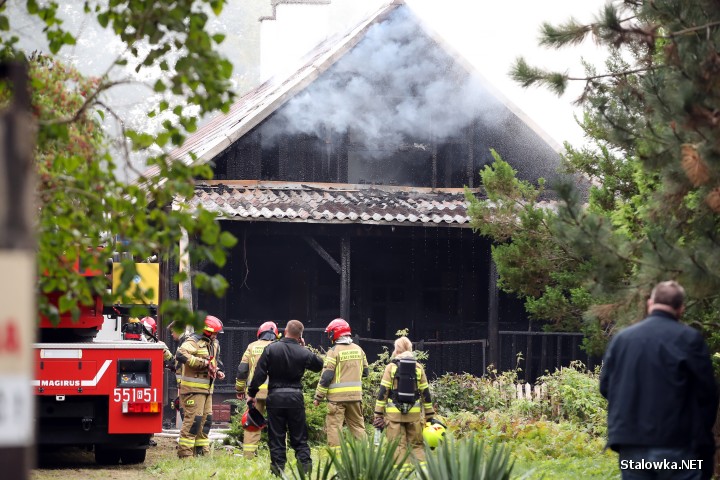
<point>668,293</point>
<point>294,328</point>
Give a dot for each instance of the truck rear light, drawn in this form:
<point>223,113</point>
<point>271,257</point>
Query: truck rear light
<point>140,407</point>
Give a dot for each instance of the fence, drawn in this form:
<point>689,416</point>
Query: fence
<point>540,352</point>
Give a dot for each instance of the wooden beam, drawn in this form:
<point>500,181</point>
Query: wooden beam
<point>323,253</point>
<point>345,278</point>
<point>493,316</point>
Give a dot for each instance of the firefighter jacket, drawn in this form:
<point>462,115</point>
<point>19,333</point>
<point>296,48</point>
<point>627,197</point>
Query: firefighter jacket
<point>194,355</point>
<point>246,369</point>
<point>344,367</point>
<point>384,405</point>
<point>285,362</point>
<point>178,365</point>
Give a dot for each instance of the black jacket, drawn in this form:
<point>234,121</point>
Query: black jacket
<point>285,361</point>
<point>659,382</point>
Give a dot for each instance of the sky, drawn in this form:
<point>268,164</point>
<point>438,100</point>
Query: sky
<point>492,34</point>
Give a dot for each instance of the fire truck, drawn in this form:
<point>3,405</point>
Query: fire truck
<point>100,392</point>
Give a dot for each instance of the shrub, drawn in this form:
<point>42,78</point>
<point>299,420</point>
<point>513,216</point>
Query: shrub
<point>575,395</point>
<point>464,392</point>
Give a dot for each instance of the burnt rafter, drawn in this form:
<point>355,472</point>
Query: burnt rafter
<point>323,253</point>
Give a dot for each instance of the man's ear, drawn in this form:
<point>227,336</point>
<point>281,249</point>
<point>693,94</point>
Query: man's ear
<point>680,311</point>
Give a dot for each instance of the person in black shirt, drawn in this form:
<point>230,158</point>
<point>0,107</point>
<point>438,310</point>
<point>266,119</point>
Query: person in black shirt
<point>662,397</point>
<point>285,362</point>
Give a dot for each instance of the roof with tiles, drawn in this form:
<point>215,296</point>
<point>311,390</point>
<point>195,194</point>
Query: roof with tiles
<point>333,203</point>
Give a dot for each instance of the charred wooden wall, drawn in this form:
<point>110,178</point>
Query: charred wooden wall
<point>431,280</point>
<point>334,158</point>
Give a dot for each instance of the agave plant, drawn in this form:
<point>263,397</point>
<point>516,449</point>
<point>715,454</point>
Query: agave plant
<point>321,471</point>
<point>356,460</point>
<point>363,460</point>
<point>466,459</point>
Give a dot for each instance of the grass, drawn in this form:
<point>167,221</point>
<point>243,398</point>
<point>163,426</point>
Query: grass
<point>541,450</point>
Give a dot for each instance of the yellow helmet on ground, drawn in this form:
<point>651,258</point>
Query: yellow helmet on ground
<point>433,433</point>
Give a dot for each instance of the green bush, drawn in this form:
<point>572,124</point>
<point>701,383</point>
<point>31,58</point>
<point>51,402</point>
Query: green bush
<point>464,392</point>
<point>531,439</point>
<point>315,416</point>
<point>575,396</point>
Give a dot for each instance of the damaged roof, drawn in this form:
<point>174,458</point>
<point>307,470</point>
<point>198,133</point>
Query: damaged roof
<point>333,203</point>
<point>254,107</point>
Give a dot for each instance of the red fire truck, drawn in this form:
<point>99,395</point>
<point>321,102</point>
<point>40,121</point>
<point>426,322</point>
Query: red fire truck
<point>101,394</point>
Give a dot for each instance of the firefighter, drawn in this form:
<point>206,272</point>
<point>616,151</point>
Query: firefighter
<point>199,357</point>
<point>407,427</point>
<point>150,335</point>
<point>266,334</point>
<point>179,338</point>
<point>341,381</point>
<point>285,362</point>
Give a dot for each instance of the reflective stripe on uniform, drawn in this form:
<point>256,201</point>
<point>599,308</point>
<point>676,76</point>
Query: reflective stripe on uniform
<point>394,409</point>
<point>202,442</point>
<point>199,381</point>
<point>186,442</point>
<point>187,383</point>
<point>345,387</point>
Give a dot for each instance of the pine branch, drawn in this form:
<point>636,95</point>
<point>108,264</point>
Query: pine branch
<point>570,33</point>
<point>690,30</point>
<point>526,75</point>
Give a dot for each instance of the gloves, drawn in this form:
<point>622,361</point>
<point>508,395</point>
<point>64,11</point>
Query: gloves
<point>175,405</point>
<point>379,422</point>
<point>212,369</point>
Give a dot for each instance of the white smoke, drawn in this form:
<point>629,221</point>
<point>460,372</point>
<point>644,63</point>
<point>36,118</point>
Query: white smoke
<point>393,88</point>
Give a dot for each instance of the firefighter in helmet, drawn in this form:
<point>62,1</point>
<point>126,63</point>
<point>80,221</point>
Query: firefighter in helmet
<point>149,326</point>
<point>179,338</point>
<point>266,334</point>
<point>341,382</point>
<point>404,409</point>
<point>199,357</point>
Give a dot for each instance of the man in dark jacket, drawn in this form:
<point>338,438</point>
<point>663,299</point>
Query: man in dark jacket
<point>285,362</point>
<point>661,391</point>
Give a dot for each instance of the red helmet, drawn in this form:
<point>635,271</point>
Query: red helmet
<point>212,325</point>
<point>150,325</point>
<point>252,420</point>
<point>337,328</point>
<point>266,327</point>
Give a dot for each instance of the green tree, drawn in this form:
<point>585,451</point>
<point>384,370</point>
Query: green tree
<point>653,210</point>
<point>83,202</point>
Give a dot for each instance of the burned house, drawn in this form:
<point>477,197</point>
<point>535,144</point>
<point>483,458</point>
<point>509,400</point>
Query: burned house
<point>344,184</point>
